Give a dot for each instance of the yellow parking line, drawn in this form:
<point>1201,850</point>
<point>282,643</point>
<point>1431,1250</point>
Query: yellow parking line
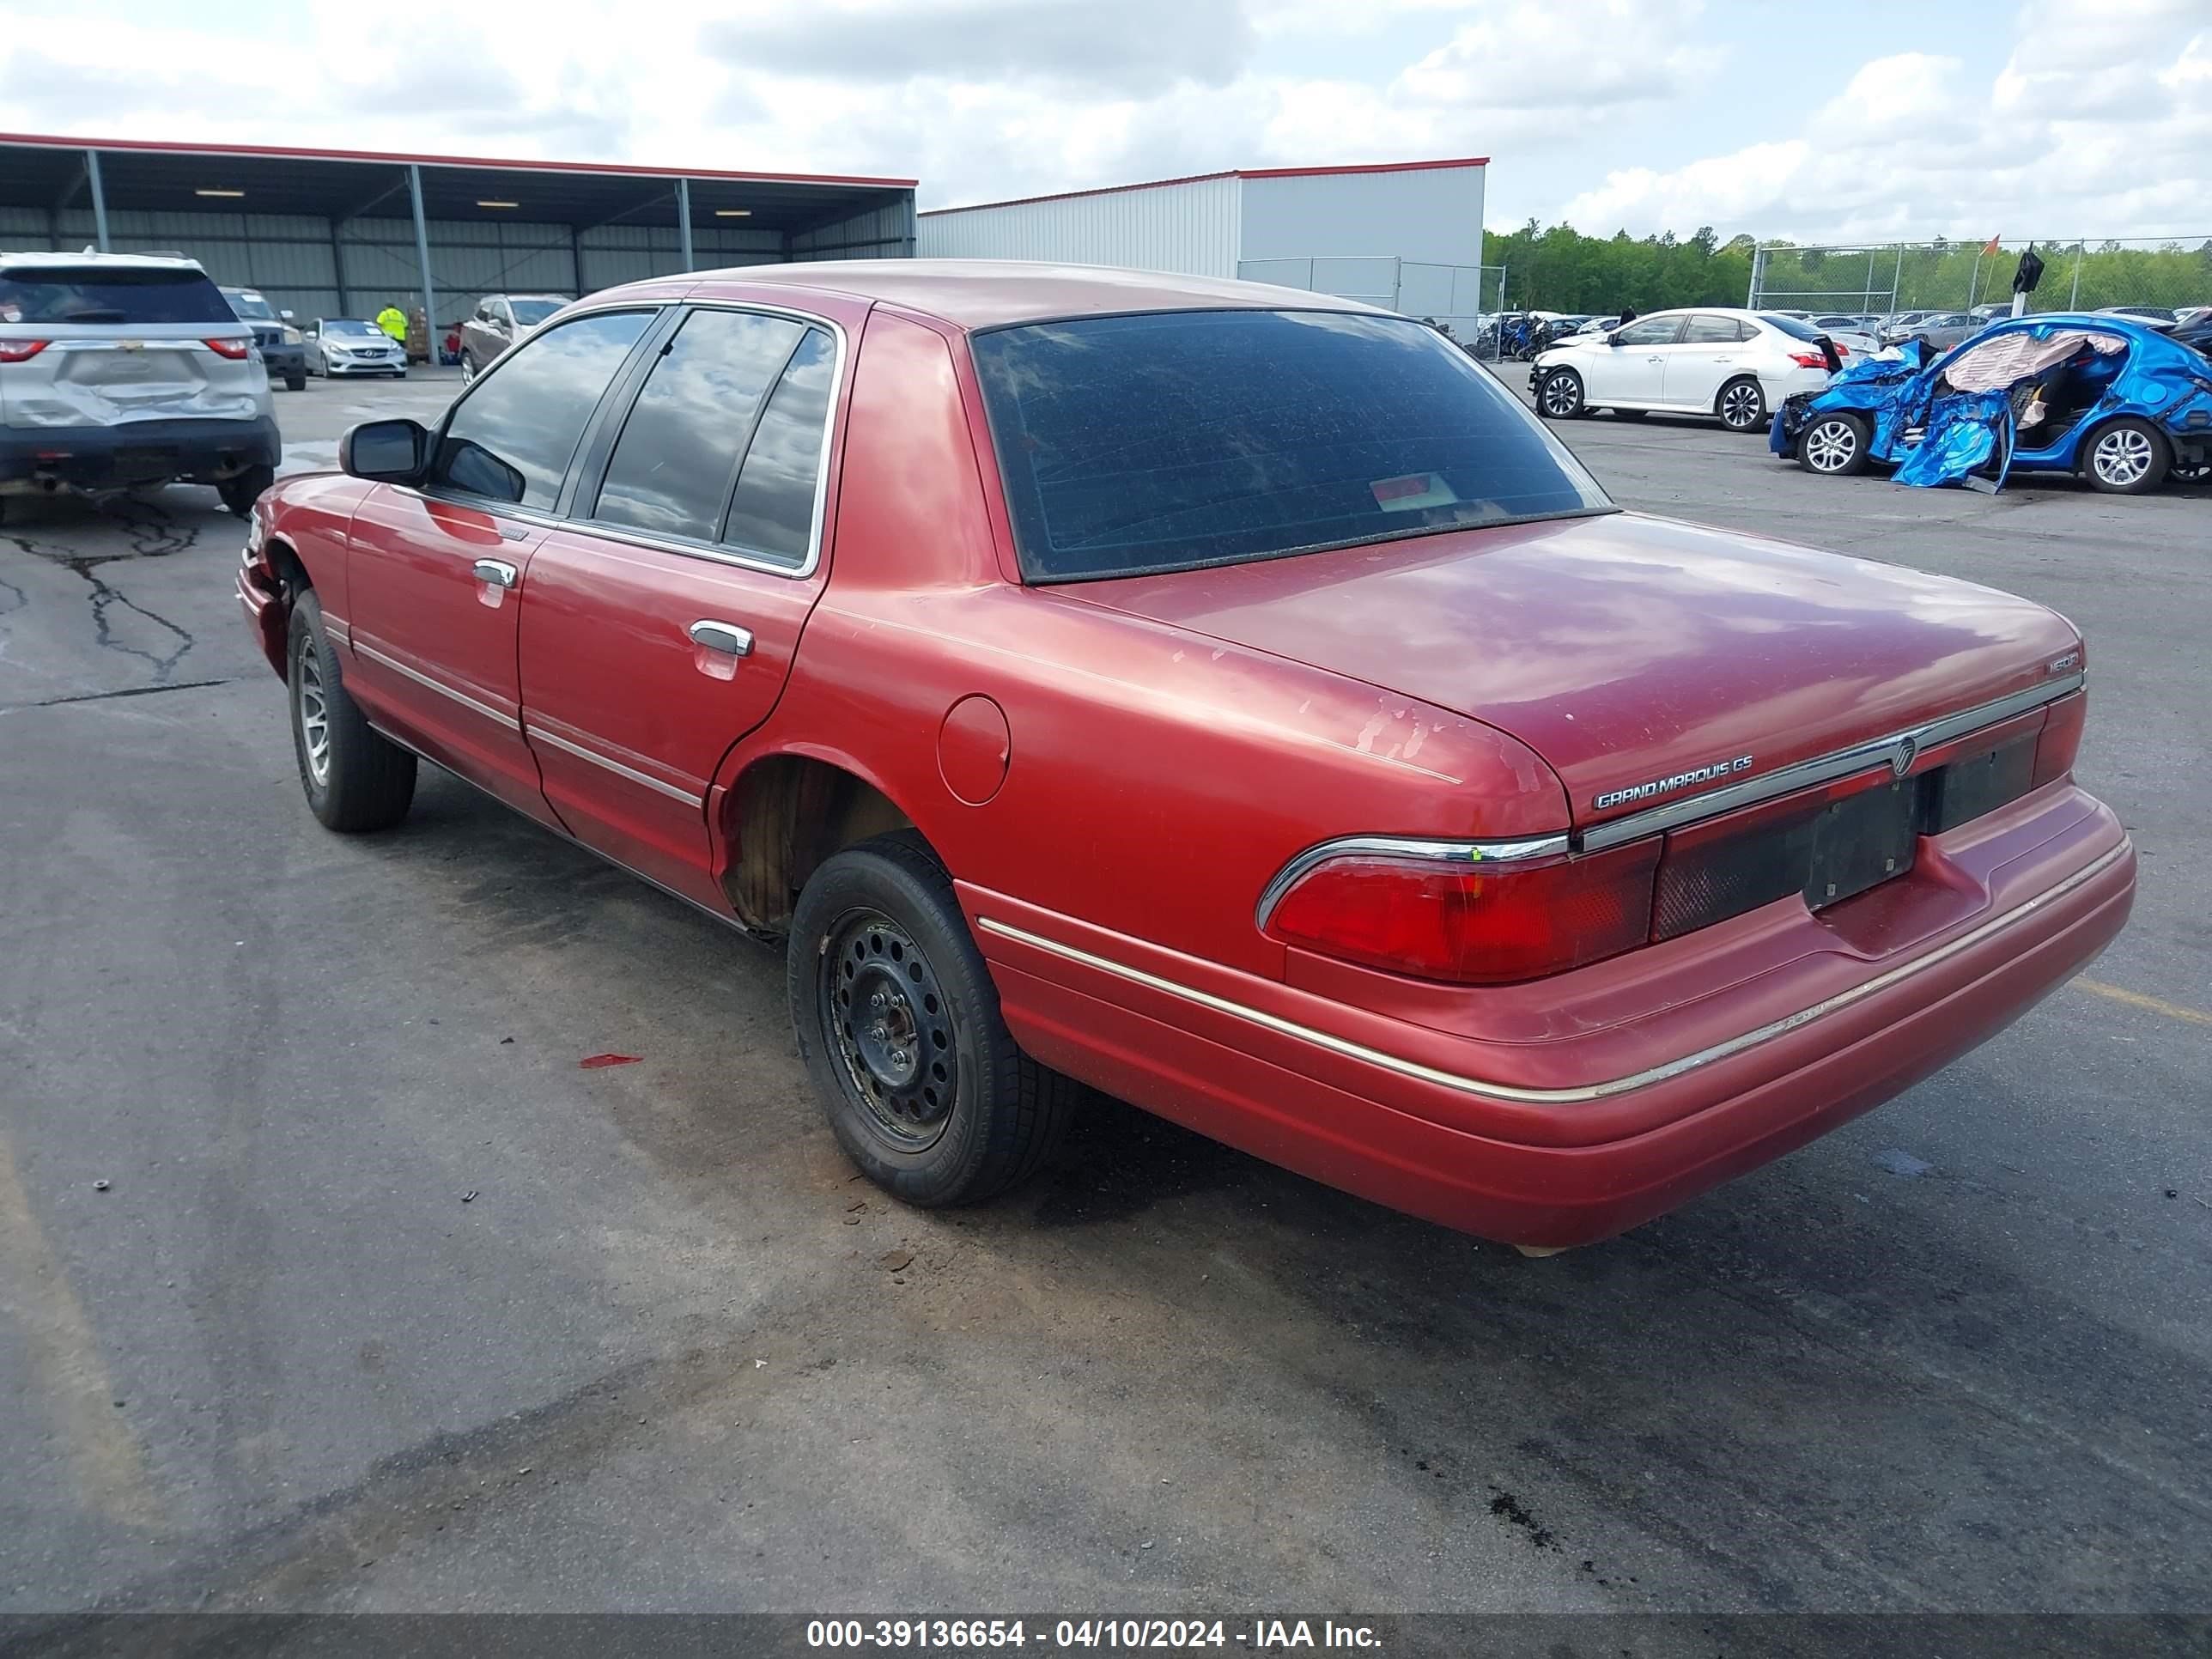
<point>2136,1000</point>
<point>65,1358</point>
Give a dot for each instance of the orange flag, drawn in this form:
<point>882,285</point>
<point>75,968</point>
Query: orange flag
<point>1992,246</point>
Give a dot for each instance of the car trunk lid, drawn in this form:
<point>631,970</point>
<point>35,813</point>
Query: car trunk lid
<point>1644,660</point>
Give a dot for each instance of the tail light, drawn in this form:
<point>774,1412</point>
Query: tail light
<point>19,351</point>
<point>233,349</point>
<point>1471,923</point>
<point>2062,739</point>
<point>1808,360</point>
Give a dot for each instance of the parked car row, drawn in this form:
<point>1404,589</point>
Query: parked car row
<point>2119,400</point>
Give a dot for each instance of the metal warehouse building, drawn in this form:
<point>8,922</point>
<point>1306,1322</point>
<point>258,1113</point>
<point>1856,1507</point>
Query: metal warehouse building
<point>339,233</point>
<point>1406,235</point>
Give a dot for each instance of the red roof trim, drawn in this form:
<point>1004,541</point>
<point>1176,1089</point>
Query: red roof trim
<point>1228,173</point>
<point>1366,167</point>
<point>295,153</point>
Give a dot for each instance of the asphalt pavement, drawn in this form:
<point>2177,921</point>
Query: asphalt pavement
<point>329,1280</point>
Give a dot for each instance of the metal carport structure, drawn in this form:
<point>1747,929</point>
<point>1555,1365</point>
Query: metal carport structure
<point>329,233</point>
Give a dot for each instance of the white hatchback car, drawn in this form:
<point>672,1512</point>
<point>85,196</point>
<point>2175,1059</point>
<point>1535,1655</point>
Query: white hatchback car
<point>1703,360</point>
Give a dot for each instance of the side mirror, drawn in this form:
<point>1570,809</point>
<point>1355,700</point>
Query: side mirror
<point>1613,338</point>
<point>388,452</point>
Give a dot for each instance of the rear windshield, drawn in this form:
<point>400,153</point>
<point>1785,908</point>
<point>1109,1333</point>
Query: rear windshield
<point>1131,445</point>
<point>110,294</point>
<point>1796,329</point>
<point>531,312</point>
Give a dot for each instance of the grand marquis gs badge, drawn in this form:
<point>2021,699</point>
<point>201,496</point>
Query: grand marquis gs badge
<point>1667,786</point>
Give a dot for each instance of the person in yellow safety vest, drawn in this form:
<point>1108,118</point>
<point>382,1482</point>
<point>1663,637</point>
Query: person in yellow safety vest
<point>393,321</point>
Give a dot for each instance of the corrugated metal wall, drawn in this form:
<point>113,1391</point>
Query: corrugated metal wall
<point>1432,215</point>
<point>294,261</point>
<point>1189,227</point>
<point>883,233</point>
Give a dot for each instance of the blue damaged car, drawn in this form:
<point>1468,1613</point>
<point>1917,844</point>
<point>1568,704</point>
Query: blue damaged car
<point>2111,400</point>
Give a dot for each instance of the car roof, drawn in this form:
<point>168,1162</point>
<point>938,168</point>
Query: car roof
<point>30,261</point>
<point>976,293</point>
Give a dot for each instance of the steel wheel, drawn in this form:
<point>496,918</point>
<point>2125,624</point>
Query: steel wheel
<point>886,1012</point>
<point>1741,404</point>
<point>2123,457</point>
<point>1831,446</point>
<point>310,709</point>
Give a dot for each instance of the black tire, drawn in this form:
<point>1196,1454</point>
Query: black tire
<point>468,369</point>
<point>240,494</point>
<point>296,382</point>
<point>931,1097</point>
<point>1833,444</point>
<point>1741,405</point>
<point>2126,457</point>
<point>1559,395</point>
<point>2189,472</point>
<point>366,781</point>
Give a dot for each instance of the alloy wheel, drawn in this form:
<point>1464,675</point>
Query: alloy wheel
<point>1831,445</point>
<point>888,1016</point>
<point>314,716</point>
<point>1740,405</point>
<point>1559,397</point>
<point>2121,457</point>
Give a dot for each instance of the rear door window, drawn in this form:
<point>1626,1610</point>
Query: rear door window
<point>1712,330</point>
<point>512,437</point>
<point>673,466</point>
<point>96,296</point>
<point>779,491</point>
<point>1177,439</point>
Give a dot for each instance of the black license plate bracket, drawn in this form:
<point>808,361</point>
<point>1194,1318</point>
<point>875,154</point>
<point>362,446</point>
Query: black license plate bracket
<point>1862,841</point>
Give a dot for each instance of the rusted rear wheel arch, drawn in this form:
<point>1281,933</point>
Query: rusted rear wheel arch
<point>786,817</point>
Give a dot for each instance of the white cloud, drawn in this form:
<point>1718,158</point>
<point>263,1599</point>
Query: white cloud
<point>2098,122</point>
<point>2088,119</point>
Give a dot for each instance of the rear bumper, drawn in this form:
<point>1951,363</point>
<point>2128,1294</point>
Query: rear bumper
<point>1583,1141</point>
<point>135,452</point>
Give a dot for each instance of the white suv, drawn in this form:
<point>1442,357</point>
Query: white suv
<point>125,369</point>
<point>1702,359</point>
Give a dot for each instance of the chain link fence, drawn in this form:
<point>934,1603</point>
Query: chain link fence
<point>1462,298</point>
<point>2080,274</point>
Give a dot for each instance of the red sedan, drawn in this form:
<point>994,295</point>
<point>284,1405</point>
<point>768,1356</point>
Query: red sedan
<point>1232,699</point>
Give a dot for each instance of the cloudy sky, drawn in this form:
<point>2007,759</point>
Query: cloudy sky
<point>1882,119</point>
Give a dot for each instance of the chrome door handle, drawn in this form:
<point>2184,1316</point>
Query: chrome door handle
<point>727,638</point>
<point>497,572</point>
